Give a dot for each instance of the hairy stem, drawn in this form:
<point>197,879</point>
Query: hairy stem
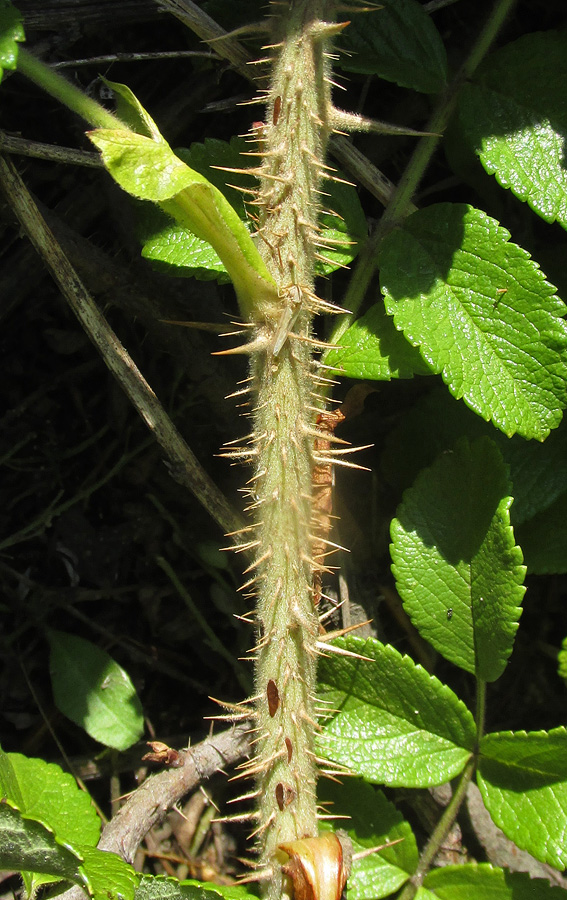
<point>293,144</point>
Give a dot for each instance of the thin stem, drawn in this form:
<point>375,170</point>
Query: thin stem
<point>440,832</point>
<point>480,710</point>
<point>67,94</point>
<point>400,204</point>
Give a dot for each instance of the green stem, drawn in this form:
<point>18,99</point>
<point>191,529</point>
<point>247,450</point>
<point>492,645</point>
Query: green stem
<point>440,832</point>
<point>400,204</point>
<point>67,94</point>
<point>480,711</point>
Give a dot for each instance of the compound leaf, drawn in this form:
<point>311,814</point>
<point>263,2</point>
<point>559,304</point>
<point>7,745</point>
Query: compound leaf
<point>482,315</point>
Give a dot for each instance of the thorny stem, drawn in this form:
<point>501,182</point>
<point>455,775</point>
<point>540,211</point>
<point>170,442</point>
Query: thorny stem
<point>400,203</point>
<point>293,144</point>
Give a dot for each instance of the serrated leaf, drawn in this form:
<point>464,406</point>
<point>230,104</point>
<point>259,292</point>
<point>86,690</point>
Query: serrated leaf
<point>373,349</point>
<point>538,471</point>
<point>53,797</point>
<point>162,888</point>
<point>398,42</point>
<point>516,120</point>
<point>395,724</point>
<point>48,794</point>
<point>149,169</point>
<point>372,821</point>
<point>469,882</point>
<point>544,540</point>
<point>481,313</point>
<point>28,845</point>
<point>455,561</point>
<point>92,690</point>
<point>108,877</point>
<point>11,34</point>
<point>523,781</point>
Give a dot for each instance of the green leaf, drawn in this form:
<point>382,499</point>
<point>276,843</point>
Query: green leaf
<point>373,349</point>
<point>372,821</point>
<point>398,42</point>
<point>482,314</point>
<point>28,845</point>
<point>516,119</point>
<point>47,793</point>
<point>544,540</point>
<point>538,471</point>
<point>469,882</point>
<point>92,690</point>
<point>11,33</point>
<point>131,112</point>
<point>183,254</point>
<point>162,888</point>
<point>51,795</point>
<point>562,660</point>
<point>395,724</point>
<point>148,169</point>
<point>9,786</point>
<point>456,564</point>
<point>523,781</point>
<point>108,876</point>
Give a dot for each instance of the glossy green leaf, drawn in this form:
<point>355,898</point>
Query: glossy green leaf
<point>469,882</point>
<point>523,781</point>
<point>46,793</point>
<point>544,540</point>
<point>372,821</point>
<point>398,42</point>
<point>373,349</point>
<point>456,564</point>
<point>161,888</point>
<point>28,845</point>
<point>149,170</point>
<point>395,724</point>
<point>51,795</point>
<point>92,690</point>
<point>108,876</point>
<point>482,315</point>
<point>11,34</point>
<point>516,119</point>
